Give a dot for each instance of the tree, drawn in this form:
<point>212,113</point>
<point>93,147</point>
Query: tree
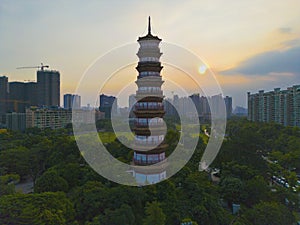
<point>167,196</point>
<point>89,200</point>
<point>64,150</point>
<point>132,196</point>
<point>38,154</point>
<point>50,181</point>
<point>234,169</point>
<point>36,209</point>
<point>123,215</point>
<point>7,184</point>
<point>154,214</point>
<point>256,190</point>
<point>232,190</point>
<point>269,213</point>
<point>15,161</point>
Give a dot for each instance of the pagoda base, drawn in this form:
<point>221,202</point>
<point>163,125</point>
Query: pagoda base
<point>150,175</point>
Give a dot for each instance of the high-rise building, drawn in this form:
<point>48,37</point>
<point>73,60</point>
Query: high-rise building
<point>72,101</point>
<point>196,100</point>
<point>16,97</point>
<point>3,95</point>
<point>279,106</point>
<point>205,110</point>
<point>108,105</point>
<point>228,105</point>
<point>21,95</point>
<point>48,87</point>
<point>31,93</point>
<point>15,121</point>
<point>168,106</point>
<point>149,146</point>
<point>131,102</point>
<point>216,103</point>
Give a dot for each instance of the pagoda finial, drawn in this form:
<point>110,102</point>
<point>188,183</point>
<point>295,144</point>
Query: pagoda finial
<point>149,25</point>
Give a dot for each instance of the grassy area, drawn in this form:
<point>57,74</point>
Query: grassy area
<point>204,138</point>
<point>107,137</point>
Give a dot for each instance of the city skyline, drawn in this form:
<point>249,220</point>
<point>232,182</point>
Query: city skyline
<point>255,47</point>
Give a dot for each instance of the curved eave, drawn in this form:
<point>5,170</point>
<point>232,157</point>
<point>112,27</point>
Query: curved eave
<point>153,169</point>
<point>147,132</point>
<point>158,97</point>
<point>148,150</point>
<point>149,37</point>
<point>149,114</point>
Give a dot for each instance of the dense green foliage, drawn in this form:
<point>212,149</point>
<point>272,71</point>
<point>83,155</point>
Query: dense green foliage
<point>36,209</point>
<point>68,191</point>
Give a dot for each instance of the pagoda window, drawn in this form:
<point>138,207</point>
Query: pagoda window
<point>143,121</point>
<point>162,156</point>
<point>153,121</point>
<point>143,158</point>
<point>149,73</point>
<point>153,158</point>
<point>140,138</point>
<point>148,44</point>
<point>150,89</point>
<point>149,59</point>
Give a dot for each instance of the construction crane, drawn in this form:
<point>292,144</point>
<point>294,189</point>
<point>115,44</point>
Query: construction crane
<point>42,66</point>
<point>16,103</point>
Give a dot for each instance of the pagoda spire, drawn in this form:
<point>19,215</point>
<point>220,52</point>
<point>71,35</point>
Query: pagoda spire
<point>149,35</point>
<point>149,25</point>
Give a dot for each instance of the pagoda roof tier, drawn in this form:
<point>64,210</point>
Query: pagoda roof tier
<point>154,126</point>
<point>142,95</point>
<point>149,114</point>
<point>149,66</point>
<point>150,92</point>
<point>149,53</point>
<point>149,98</point>
<point>149,81</point>
<point>149,37</point>
<point>146,131</point>
<point>139,114</point>
<point>147,150</point>
<point>151,169</point>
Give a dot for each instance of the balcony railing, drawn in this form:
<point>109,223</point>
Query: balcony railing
<point>148,107</point>
<point>146,162</point>
<point>151,124</point>
<point>142,125</point>
<point>153,92</point>
<point>147,143</point>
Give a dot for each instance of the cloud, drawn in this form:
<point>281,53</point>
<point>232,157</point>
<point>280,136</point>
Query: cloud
<point>285,30</point>
<point>291,43</point>
<point>272,62</point>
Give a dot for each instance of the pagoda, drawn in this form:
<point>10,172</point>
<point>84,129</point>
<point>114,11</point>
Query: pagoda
<point>149,127</point>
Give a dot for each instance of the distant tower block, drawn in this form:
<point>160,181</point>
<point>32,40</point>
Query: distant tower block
<point>149,107</point>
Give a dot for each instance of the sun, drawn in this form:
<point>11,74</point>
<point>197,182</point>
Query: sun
<point>202,69</point>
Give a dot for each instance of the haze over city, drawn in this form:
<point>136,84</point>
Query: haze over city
<point>250,45</point>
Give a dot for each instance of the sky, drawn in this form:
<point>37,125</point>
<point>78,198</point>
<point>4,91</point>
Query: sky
<point>249,45</point>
